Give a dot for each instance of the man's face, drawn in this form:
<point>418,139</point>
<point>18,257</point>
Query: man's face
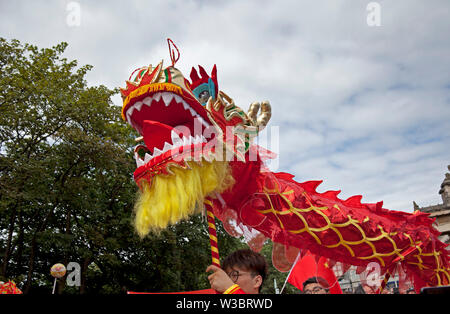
<point>248,282</point>
<point>314,288</point>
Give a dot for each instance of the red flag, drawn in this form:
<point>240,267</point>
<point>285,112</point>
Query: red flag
<point>308,267</point>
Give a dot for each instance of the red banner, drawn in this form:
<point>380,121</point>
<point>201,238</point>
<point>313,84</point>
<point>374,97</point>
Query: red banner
<point>308,267</point>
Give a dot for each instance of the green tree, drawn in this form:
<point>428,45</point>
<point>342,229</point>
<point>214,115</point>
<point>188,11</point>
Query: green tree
<point>63,151</point>
<point>67,191</point>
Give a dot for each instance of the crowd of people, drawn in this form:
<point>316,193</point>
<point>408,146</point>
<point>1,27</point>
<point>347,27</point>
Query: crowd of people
<point>244,271</point>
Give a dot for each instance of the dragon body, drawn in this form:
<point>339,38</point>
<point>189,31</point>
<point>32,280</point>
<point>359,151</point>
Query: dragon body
<point>198,152</point>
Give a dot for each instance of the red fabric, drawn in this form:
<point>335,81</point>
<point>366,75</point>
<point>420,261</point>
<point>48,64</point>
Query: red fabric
<point>347,231</point>
<point>9,288</point>
<point>238,291</point>
<point>206,291</point>
<point>234,289</point>
<point>307,267</point>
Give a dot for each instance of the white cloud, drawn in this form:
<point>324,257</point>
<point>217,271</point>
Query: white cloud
<point>364,108</point>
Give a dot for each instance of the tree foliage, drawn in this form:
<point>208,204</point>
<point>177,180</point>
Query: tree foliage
<point>67,192</point>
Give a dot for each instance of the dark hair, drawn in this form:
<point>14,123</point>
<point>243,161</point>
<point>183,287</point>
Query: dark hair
<point>249,260</point>
<point>318,280</point>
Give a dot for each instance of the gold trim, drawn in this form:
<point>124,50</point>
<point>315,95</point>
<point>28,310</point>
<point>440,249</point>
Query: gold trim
<point>231,289</point>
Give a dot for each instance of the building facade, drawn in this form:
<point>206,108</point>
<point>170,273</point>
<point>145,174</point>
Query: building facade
<point>441,211</point>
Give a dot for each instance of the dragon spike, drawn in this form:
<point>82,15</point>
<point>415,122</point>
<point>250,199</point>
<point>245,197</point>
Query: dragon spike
<point>379,206</point>
<point>194,75</point>
<point>146,75</point>
<point>203,73</point>
<point>353,201</point>
<point>331,194</point>
<point>204,78</point>
<point>214,79</point>
<point>310,186</point>
<point>152,74</point>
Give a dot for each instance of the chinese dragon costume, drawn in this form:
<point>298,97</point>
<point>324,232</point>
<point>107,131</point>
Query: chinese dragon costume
<point>197,153</point>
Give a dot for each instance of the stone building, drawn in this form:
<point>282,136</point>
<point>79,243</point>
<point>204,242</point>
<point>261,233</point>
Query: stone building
<point>441,211</point>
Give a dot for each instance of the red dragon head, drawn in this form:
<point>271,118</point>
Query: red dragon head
<point>159,103</point>
<point>191,131</point>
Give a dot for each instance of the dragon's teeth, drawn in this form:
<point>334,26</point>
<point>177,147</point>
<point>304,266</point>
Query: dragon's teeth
<point>147,101</point>
<point>156,152</point>
<point>147,158</point>
<point>185,106</point>
<point>167,98</point>
<point>176,140</point>
<point>139,161</point>
<point>193,113</point>
<point>178,99</point>
<point>203,121</point>
<point>167,147</point>
<point>138,105</point>
<point>129,113</point>
<point>157,96</point>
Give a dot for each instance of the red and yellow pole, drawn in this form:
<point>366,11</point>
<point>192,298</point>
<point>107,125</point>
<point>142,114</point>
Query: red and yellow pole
<point>212,234</point>
<point>385,281</point>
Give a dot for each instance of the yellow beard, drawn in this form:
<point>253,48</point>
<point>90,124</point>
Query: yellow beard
<point>169,199</point>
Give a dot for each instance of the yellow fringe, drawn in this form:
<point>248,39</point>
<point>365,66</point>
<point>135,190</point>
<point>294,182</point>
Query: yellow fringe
<point>169,199</point>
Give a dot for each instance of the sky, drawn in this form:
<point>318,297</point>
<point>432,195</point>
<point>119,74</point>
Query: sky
<point>360,90</point>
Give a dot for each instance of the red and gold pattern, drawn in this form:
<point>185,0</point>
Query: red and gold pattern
<point>212,235</point>
<point>9,288</point>
<point>347,231</point>
<point>234,289</point>
<point>262,204</point>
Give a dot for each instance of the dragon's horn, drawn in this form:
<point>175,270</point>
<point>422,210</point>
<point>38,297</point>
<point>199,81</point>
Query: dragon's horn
<point>265,115</point>
<point>253,112</point>
<point>194,75</point>
<point>203,72</point>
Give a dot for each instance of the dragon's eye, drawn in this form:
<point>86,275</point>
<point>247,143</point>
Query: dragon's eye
<point>203,97</point>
